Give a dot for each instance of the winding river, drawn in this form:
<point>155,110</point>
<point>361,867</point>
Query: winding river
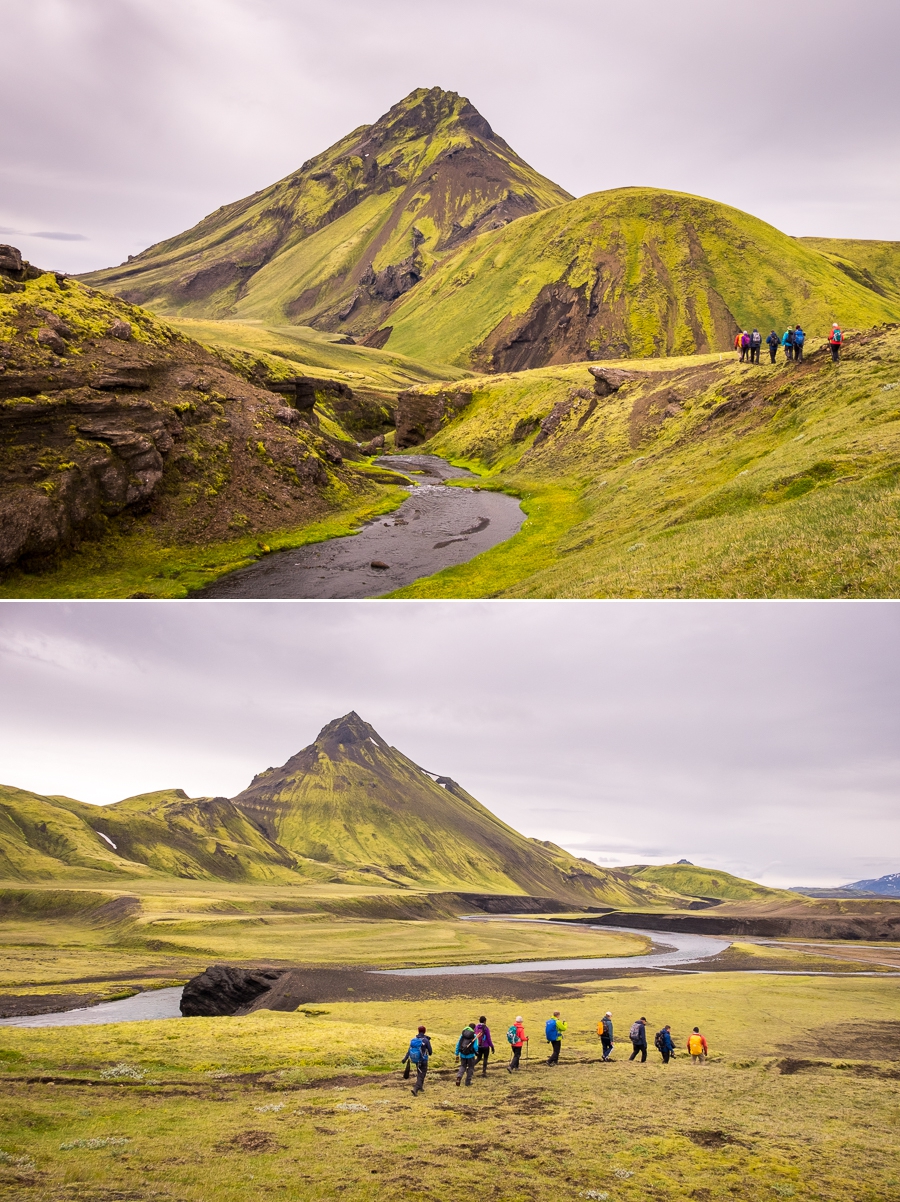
<point>438,527</point>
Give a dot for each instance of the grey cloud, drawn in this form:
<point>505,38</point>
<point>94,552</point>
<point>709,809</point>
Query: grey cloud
<point>761,738</point>
<point>152,113</point>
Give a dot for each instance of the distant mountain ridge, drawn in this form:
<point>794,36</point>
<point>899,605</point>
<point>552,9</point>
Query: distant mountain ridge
<point>347,808</point>
<point>427,232</point>
<point>882,886</point>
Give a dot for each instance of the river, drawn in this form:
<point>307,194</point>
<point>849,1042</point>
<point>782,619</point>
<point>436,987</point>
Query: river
<point>438,527</point>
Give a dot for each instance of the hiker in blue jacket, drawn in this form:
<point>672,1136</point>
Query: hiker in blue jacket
<point>555,1030</point>
<point>638,1037</point>
<point>773,342</point>
<point>755,344</point>
<point>664,1043</point>
<point>787,341</point>
<point>466,1050</point>
<point>799,339</point>
<point>419,1051</point>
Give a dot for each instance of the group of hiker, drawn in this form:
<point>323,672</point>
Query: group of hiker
<point>792,342</point>
<point>475,1046</point>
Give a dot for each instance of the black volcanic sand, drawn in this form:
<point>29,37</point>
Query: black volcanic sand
<point>438,527</point>
<point>306,986</point>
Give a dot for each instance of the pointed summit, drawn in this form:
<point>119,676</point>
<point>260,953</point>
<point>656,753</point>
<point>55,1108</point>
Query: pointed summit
<point>351,801</point>
<point>334,244</point>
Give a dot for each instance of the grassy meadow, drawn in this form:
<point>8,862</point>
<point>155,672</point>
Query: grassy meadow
<point>799,1099</point>
<point>702,477</point>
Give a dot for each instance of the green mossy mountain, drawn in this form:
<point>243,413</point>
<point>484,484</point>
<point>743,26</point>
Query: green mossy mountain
<point>335,243</point>
<point>692,881</point>
<point>874,264</point>
<point>348,809</point>
<point>632,272</point>
<point>349,799</point>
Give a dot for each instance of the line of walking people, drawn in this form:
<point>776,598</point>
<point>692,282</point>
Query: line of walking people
<point>792,342</point>
<point>476,1046</point>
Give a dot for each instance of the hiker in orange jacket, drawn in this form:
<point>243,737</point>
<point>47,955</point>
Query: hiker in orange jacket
<point>696,1045</point>
<point>737,345</point>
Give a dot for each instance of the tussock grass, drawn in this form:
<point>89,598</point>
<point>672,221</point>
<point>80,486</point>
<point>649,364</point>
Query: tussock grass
<point>322,1112</point>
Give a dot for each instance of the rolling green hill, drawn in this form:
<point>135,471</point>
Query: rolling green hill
<point>336,242</point>
<point>875,265</point>
<point>627,273</point>
<point>350,799</point>
<point>692,881</point>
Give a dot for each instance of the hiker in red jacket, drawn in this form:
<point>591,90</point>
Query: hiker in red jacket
<point>737,345</point>
<point>485,1044</point>
<point>517,1039</point>
<point>835,340</point>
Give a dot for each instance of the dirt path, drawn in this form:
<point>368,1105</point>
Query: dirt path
<point>438,527</point>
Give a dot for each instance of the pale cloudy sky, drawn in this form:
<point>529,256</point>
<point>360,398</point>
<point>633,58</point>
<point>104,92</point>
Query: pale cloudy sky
<point>125,121</point>
<point>761,738</point>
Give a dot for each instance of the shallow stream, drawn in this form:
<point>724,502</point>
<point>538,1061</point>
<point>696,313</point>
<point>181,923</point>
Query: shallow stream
<point>438,527</point>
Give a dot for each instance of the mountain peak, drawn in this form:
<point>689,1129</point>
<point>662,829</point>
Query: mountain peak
<point>424,110</point>
<point>348,730</point>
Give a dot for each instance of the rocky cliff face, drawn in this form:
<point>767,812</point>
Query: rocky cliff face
<point>105,411</point>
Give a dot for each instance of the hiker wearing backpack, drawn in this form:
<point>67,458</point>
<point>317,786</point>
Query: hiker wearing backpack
<point>555,1030</point>
<point>787,341</point>
<point>745,347</point>
<point>696,1045</point>
<point>466,1050</point>
<point>664,1043</point>
<point>485,1044</point>
<point>737,345</point>
<point>605,1031</point>
<point>419,1051</point>
<point>835,338</point>
<point>638,1037</point>
<point>755,344</point>
<point>773,342</point>
<point>799,339</point>
<point>516,1038</point>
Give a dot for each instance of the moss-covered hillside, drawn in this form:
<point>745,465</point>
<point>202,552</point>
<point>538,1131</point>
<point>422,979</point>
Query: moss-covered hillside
<point>627,273</point>
<point>874,264</point>
<point>691,880</point>
<point>698,477</point>
<point>352,800</point>
<point>338,240</point>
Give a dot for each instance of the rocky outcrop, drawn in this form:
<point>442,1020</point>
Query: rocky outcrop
<point>105,411</point>
<point>419,416</point>
<point>608,380</point>
<point>226,989</point>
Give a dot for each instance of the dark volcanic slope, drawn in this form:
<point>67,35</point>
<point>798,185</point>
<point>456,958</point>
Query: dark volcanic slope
<point>337,241</point>
<point>350,799</point>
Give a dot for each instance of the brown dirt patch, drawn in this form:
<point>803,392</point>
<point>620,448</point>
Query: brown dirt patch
<point>249,1141</point>
<point>712,1139</point>
<point>847,1041</point>
<point>20,1005</point>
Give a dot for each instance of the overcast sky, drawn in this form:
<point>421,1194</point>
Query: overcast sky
<point>761,738</point>
<point>126,121</point>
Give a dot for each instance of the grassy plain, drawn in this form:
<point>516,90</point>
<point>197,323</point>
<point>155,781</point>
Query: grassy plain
<point>703,478</point>
<point>796,1101</point>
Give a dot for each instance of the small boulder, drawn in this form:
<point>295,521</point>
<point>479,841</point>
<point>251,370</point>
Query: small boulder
<point>374,447</point>
<point>10,259</point>
<point>49,338</point>
<point>120,329</point>
<point>379,565</point>
<point>333,455</point>
<point>608,380</point>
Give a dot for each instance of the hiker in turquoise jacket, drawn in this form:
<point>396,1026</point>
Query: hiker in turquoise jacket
<point>466,1050</point>
<point>555,1030</point>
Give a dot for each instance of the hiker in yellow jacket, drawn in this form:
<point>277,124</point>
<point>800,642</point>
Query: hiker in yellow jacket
<point>696,1045</point>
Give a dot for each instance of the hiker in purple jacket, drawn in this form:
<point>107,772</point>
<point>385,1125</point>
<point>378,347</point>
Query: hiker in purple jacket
<point>485,1044</point>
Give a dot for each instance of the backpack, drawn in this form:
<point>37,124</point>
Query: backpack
<point>755,338</point>
<point>837,336</point>
<point>467,1043</point>
<point>418,1053</point>
<point>695,1045</point>
<point>660,1041</point>
<point>512,1034</point>
<point>551,1030</point>
<point>799,338</point>
<point>636,1032</point>
<point>789,338</point>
